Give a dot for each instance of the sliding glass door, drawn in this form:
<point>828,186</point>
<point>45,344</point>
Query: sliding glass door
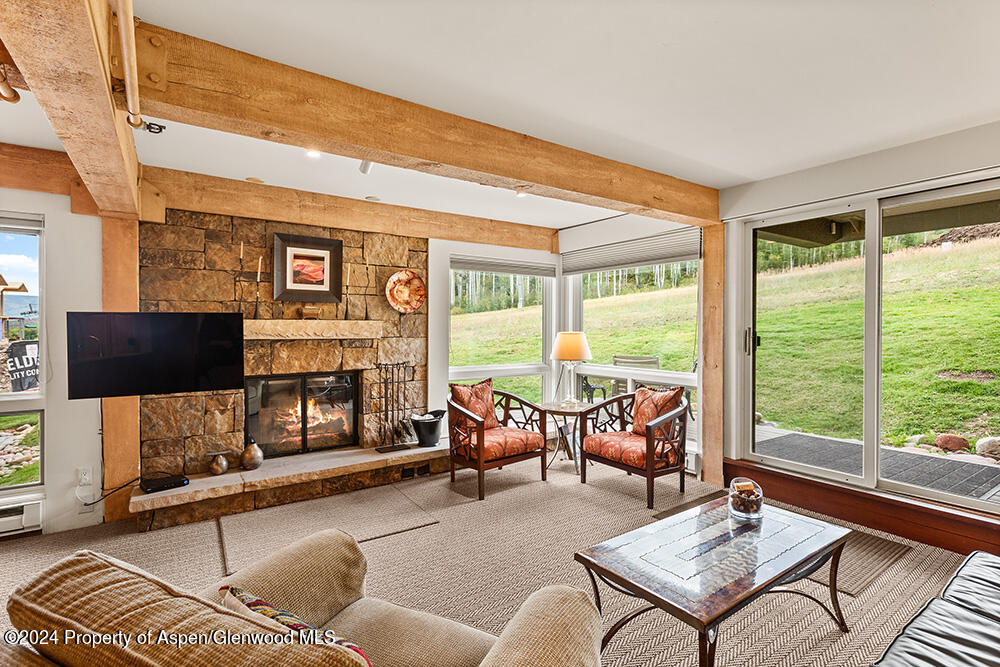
<point>806,341</point>
<point>941,346</point>
<point>872,343</point>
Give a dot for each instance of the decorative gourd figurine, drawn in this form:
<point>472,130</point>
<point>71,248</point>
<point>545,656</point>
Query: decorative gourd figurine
<point>252,455</point>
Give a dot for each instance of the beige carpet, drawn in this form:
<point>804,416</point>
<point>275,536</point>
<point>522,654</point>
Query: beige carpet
<point>871,555</point>
<point>482,559</point>
<point>365,514</point>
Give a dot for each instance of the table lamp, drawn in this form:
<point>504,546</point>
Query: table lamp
<point>570,347</point>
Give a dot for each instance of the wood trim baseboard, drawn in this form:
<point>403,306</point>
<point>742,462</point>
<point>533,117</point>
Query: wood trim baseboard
<point>943,526</point>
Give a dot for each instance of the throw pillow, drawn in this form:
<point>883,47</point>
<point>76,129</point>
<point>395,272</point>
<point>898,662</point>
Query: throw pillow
<point>477,399</point>
<point>650,404</point>
<point>286,618</point>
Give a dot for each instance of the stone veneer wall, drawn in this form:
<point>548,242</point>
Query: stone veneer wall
<point>191,263</point>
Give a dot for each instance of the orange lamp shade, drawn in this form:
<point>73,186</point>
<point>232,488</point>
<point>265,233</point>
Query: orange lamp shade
<point>571,346</point>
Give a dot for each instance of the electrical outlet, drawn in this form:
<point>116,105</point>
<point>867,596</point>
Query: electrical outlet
<point>85,496</point>
<point>84,476</point>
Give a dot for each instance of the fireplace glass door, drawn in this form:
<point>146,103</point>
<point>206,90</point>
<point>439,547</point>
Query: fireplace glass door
<point>330,411</point>
<point>301,413</point>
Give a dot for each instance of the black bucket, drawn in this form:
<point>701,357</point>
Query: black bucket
<point>428,430</point>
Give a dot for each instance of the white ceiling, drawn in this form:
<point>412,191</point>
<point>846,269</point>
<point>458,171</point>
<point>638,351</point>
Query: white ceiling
<point>203,151</point>
<point>25,124</point>
<point>720,92</point>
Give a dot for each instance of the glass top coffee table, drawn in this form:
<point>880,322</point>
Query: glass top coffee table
<point>702,565</point>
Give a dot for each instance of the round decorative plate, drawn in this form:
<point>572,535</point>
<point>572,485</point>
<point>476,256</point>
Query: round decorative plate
<point>405,291</point>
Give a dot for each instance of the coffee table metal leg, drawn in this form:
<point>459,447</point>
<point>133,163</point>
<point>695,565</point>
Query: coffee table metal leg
<point>706,647</point>
<point>597,592</point>
<point>834,600</point>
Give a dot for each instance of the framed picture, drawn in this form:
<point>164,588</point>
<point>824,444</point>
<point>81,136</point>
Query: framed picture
<point>307,268</point>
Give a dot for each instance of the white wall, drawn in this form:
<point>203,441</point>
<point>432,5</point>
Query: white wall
<point>71,280</point>
<point>439,310</point>
<point>947,155</point>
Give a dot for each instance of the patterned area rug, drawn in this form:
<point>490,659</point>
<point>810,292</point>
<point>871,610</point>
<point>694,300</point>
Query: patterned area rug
<point>483,559</point>
<point>866,557</point>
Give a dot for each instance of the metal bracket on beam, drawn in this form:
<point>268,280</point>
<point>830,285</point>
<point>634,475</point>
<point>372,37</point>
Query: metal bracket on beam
<point>151,54</point>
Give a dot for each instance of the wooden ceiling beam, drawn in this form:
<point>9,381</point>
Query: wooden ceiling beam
<point>41,170</point>
<point>211,194</point>
<point>193,81</point>
<point>62,50</point>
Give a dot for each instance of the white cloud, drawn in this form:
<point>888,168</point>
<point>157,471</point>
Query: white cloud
<point>20,269</point>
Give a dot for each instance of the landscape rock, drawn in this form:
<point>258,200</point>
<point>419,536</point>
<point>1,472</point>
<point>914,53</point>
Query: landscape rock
<point>922,439</point>
<point>950,442</point>
<point>758,418</point>
<point>971,458</point>
<point>989,446</point>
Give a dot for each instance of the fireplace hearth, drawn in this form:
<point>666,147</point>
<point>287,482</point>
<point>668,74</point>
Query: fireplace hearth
<point>306,412</point>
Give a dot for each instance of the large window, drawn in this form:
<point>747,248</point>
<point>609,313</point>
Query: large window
<point>20,412</point>
<point>19,311</point>
<point>497,329</point>
<point>643,317</point>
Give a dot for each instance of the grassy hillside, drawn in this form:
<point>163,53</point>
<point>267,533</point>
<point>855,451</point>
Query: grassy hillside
<point>940,313</point>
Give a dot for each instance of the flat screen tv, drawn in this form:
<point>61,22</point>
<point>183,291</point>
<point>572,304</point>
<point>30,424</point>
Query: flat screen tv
<point>129,354</point>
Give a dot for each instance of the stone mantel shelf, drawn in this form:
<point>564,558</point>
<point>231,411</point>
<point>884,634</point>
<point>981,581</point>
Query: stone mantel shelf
<point>311,329</point>
<point>281,471</point>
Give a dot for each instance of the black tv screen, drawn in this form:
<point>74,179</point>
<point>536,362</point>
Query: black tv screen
<point>129,354</point>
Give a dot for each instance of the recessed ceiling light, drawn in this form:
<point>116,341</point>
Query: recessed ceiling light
<point>521,193</point>
<point>254,179</point>
<point>314,154</point>
<point>372,198</point>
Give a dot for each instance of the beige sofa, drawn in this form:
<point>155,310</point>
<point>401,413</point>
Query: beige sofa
<point>319,578</point>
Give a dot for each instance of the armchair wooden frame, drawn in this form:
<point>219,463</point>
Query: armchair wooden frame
<point>467,435</point>
<point>663,434</point>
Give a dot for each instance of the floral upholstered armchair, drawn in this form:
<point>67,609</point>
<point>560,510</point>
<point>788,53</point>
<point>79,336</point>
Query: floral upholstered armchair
<point>642,432</point>
<point>482,441</point>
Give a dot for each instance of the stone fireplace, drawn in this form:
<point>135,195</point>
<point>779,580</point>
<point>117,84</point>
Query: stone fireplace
<point>305,412</point>
<point>192,263</point>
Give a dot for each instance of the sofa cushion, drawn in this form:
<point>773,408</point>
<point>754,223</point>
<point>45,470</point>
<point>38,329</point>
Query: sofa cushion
<point>504,441</point>
<point>283,617</point>
<point>477,399</point>
<point>976,585</point>
<point>624,447</point>
<point>93,593</point>
<point>392,636</point>
<point>945,634</point>
<point>651,403</point>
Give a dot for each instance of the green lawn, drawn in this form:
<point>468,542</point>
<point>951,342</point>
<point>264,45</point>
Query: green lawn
<point>28,474</point>
<point>940,313</point>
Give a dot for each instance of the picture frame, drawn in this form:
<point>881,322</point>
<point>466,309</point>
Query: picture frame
<point>308,268</point>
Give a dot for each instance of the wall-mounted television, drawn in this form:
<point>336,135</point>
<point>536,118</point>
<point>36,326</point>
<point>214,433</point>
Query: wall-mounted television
<point>129,354</point>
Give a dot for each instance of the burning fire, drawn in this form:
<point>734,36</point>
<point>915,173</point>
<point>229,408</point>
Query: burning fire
<point>315,415</point>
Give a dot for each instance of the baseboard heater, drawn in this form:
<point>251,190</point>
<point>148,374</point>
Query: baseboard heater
<point>20,517</point>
